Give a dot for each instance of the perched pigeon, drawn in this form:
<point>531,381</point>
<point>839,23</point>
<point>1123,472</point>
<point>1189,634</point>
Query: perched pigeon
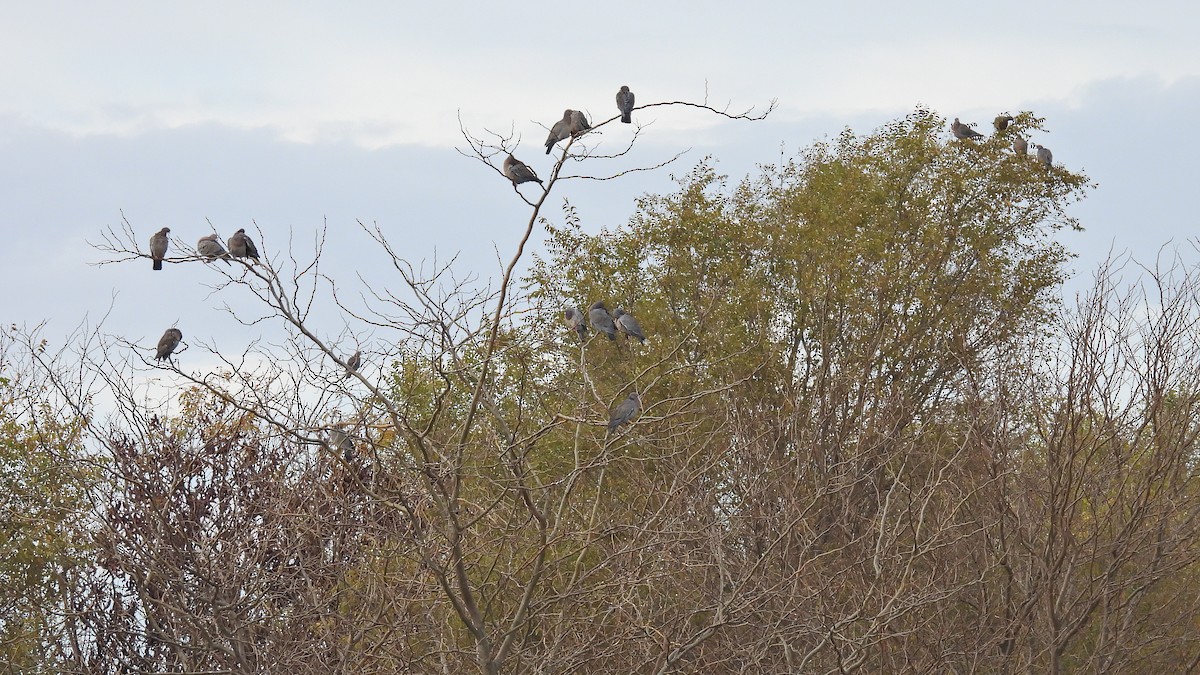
<point>1045,156</point>
<point>963,131</point>
<point>210,247</point>
<point>561,130</point>
<point>574,320</point>
<point>342,441</point>
<point>1021,146</point>
<point>628,325</point>
<point>158,246</point>
<point>1001,122</point>
<point>602,321</point>
<point>167,343</point>
<point>625,411</point>
<point>579,123</point>
<point>240,246</point>
<point>519,172</point>
<point>352,364</point>
<point>625,104</point>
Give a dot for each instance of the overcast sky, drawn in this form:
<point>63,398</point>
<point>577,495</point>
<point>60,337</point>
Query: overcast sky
<point>297,115</point>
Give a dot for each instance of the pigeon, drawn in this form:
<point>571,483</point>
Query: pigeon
<point>167,343</point>
<point>625,411</point>
<point>963,131</point>
<point>158,246</point>
<point>352,364</point>
<point>240,246</point>
<point>602,321</point>
<point>1045,156</point>
<point>210,247</point>
<point>1001,122</point>
<point>561,130</point>
<point>519,172</point>
<point>1021,146</point>
<point>628,325</point>
<point>625,104</point>
<point>342,441</point>
<point>574,320</point>
<point>579,123</point>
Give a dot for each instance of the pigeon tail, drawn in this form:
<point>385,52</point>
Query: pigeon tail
<point>158,264</point>
<point>627,118</point>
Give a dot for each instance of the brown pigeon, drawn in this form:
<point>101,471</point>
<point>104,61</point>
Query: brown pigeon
<point>210,247</point>
<point>158,246</point>
<point>167,343</point>
<point>1001,122</point>
<point>240,246</point>
<point>561,130</point>
<point>625,104</point>
<point>519,172</point>
<point>352,364</point>
<point>579,123</point>
<point>962,131</point>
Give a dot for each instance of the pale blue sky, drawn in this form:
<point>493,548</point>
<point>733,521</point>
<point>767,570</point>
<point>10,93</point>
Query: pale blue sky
<point>297,114</point>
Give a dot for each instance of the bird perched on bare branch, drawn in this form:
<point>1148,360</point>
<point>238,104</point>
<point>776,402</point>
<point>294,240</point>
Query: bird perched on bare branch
<point>210,247</point>
<point>167,343</point>
<point>342,441</point>
<point>158,247</point>
<point>574,320</point>
<point>1001,122</point>
<point>602,321</point>
<point>241,246</point>
<point>352,364</point>
<point>1021,146</point>
<point>625,411</point>
<point>625,104</point>
<point>519,172</point>
<point>628,325</point>
<point>1045,156</point>
<point>579,123</point>
<point>962,131</point>
<point>561,130</point>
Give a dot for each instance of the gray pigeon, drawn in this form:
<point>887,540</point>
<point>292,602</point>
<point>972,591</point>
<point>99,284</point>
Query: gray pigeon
<point>352,364</point>
<point>167,343</point>
<point>1045,156</point>
<point>625,104</point>
<point>625,411</point>
<point>519,172</point>
<point>158,246</point>
<point>574,320</point>
<point>602,321</point>
<point>963,131</point>
<point>210,247</point>
<point>579,123</point>
<point>240,246</point>
<point>1001,122</point>
<point>342,441</point>
<point>628,325</point>
<point>561,130</point>
<point>1021,146</point>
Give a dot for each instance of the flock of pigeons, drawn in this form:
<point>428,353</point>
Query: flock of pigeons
<point>573,123</point>
<point>1020,145</point>
<point>240,246</point>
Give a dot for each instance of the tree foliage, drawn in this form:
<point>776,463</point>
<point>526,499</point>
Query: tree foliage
<point>870,440</point>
